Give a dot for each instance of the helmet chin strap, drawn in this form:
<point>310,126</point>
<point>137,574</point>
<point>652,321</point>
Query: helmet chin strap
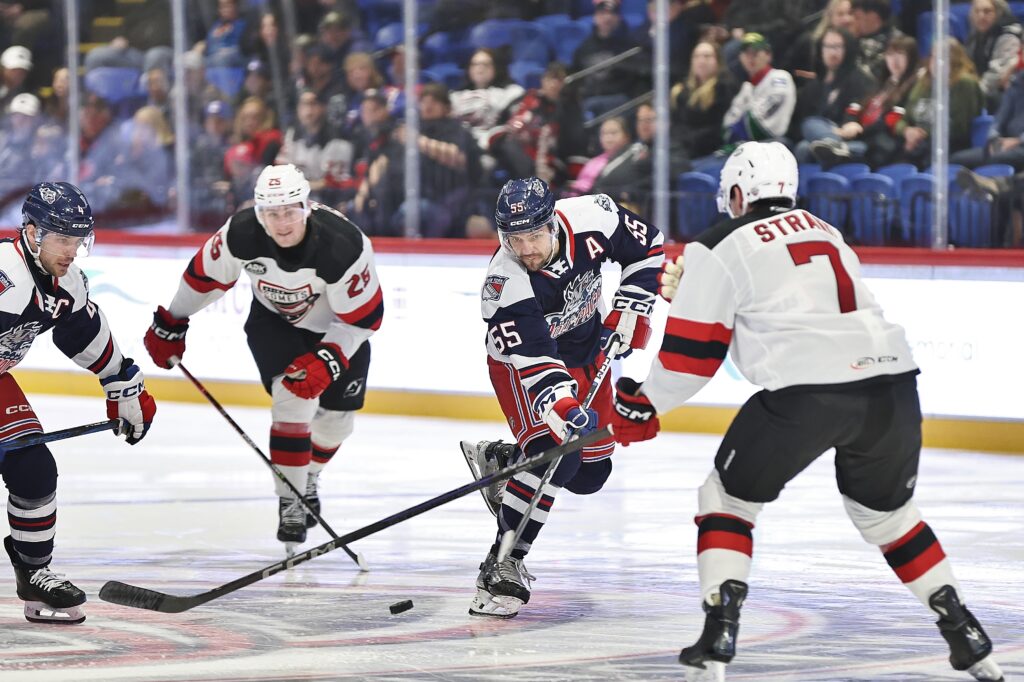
<point>34,253</point>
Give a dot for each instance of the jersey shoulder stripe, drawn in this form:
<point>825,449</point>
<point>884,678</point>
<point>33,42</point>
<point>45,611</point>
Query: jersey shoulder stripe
<point>590,213</point>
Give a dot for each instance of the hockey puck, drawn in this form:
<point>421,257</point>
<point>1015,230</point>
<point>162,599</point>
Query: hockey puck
<point>400,606</point>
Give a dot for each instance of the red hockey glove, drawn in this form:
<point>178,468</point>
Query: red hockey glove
<point>128,399</point>
<point>630,320</point>
<point>309,375</point>
<point>165,338</point>
<point>635,418</point>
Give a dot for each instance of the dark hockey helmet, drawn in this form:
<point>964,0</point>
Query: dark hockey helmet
<point>59,208</point>
<point>524,205</point>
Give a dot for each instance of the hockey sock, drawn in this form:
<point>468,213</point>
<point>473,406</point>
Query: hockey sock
<point>725,545</point>
<point>33,525</point>
<point>918,560</point>
<point>330,428</point>
<point>518,492</point>
<point>321,457</point>
<point>290,451</point>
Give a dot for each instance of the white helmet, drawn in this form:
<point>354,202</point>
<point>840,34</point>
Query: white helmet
<point>762,170</point>
<point>280,186</point>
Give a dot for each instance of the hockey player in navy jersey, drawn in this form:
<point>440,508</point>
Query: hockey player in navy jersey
<point>541,301</point>
<point>41,289</point>
<point>316,302</point>
<point>779,289</point>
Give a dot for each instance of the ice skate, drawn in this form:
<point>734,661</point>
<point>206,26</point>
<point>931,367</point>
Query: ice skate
<point>312,498</point>
<point>501,589</point>
<point>969,646</point>
<point>49,597</point>
<point>706,660</point>
<point>291,526</point>
<point>484,458</point>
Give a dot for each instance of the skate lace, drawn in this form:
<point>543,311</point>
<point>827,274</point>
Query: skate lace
<point>294,513</point>
<point>515,571</point>
<point>47,580</point>
<point>311,484</point>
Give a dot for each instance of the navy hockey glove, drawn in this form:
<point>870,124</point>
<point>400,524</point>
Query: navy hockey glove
<point>566,414</point>
<point>128,399</point>
<point>165,338</point>
<point>311,374</point>
<point>635,418</point>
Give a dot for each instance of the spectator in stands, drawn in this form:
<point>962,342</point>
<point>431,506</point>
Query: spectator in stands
<point>608,88</point>
<point>699,103</point>
<point>99,141</point>
<point>199,93</point>
<point>614,139</point>
<point>763,107</point>
<point>271,48</point>
<point>361,76</point>
<point>16,139</point>
<point>118,54</point>
<point>488,93</point>
<point>1007,133</point>
<point>24,21</point>
<point>321,77</point>
<point>141,176</point>
<point>1005,193</point>
<point>257,83</point>
<point>627,177</point>
<point>224,40</point>
<point>256,144</point>
<point>874,30</point>
<point>16,62</point>
<point>56,104</point>
<point>338,35</point>
<point>993,44</point>
<point>374,149</point>
<point>868,129</point>
<point>210,186</point>
<point>802,56</point>
<point>965,103</point>
<point>775,20</point>
<point>543,129</point>
<point>325,160</point>
<point>685,18</point>
<point>823,101</point>
<point>158,92</point>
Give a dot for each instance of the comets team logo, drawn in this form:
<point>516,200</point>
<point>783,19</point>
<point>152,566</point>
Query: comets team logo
<point>5,282</point>
<point>291,304</point>
<point>493,286</point>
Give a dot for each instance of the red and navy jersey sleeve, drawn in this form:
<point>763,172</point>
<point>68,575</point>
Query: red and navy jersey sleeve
<point>83,334</point>
<point>518,334</point>
<point>211,272</point>
<point>698,333</point>
<point>357,301</point>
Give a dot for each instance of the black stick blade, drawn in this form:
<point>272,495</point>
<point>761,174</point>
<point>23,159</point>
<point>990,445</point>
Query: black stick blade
<point>140,598</point>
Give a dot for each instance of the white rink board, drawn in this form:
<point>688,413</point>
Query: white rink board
<point>431,338</point>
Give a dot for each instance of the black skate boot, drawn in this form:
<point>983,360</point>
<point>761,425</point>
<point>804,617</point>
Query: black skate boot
<point>312,498</point>
<point>717,643</point>
<point>501,588</point>
<point>969,646</point>
<point>486,457</point>
<point>49,597</point>
<point>291,525</point>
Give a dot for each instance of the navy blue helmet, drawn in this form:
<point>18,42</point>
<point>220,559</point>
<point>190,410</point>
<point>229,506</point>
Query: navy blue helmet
<point>61,208</point>
<point>524,205</point>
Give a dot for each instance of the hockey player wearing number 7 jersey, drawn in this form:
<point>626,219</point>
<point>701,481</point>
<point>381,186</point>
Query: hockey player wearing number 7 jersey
<point>316,302</point>
<point>779,289</point>
<point>542,303</point>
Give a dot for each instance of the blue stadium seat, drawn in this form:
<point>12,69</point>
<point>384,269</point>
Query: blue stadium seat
<point>452,75</point>
<point>696,209</point>
<point>828,197</point>
<point>446,46</point>
<point>916,208</point>
<point>850,170</point>
<point>227,79</point>
<point>972,216</point>
<point>897,172</point>
<point>389,35</point>
<point>526,74</point>
<point>995,170</point>
<point>1017,9</point>
<point>980,127</point>
<point>958,28</point>
<point>566,38</point>
<point>805,171</point>
<point>873,209</point>
<point>112,83</point>
<point>379,13</point>
<point>501,32</point>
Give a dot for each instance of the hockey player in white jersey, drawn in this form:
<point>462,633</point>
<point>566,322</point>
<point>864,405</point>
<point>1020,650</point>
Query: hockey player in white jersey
<point>779,289</point>
<point>541,301</point>
<point>41,289</point>
<point>316,302</point>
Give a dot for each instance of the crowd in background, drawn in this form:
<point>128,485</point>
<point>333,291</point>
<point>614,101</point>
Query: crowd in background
<point>837,80</point>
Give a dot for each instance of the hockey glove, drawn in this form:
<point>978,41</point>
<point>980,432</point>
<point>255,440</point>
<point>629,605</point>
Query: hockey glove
<point>128,399</point>
<point>668,278</point>
<point>165,338</point>
<point>630,320</point>
<point>635,418</point>
<point>309,375</point>
<point>566,414</point>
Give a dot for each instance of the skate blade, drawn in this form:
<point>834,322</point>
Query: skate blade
<point>713,671</point>
<point>38,612</point>
<point>469,452</point>
<point>290,547</point>
<point>487,604</point>
<point>986,669</point>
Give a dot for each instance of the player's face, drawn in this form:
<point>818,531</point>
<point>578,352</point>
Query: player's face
<point>286,225</point>
<point>533,249</point>
<point>57,251</point>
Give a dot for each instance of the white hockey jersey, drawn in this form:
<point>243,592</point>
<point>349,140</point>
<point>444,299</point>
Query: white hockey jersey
<point>762,109</point>
<point>32,302</point>
<point>781,292</point>
<point>328,284</point>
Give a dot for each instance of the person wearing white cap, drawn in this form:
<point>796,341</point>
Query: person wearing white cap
<point>16,142</point>
<point>16,62</point>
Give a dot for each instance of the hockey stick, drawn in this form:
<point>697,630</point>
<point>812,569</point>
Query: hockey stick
<point>142,598</point>
<point>356,557</point>
<point>509,538</point>
<point>115,425</point>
